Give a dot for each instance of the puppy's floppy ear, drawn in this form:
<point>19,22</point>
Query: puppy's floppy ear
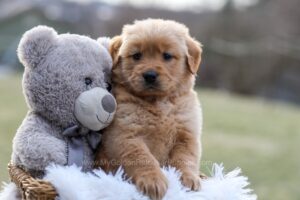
<point>193,55</point>
<point>35,44</point>
<point>114,47</point>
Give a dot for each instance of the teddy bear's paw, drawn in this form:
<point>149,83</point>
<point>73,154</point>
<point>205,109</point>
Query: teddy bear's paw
<point>59,158</point>
<point>190,180</point>
<point>152,184</point>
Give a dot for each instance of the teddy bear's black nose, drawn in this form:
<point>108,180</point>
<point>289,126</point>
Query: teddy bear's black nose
<point>108,103</point>
<point>150,76</point>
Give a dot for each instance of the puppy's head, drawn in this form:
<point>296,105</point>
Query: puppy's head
<point>155,57</point>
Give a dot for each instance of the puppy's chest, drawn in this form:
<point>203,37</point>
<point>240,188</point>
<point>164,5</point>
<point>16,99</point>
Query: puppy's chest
<point>160,128</point>
<point>158,116</point>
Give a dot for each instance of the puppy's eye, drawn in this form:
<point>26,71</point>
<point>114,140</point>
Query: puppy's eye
<point>88,81</point>
<point>137,56</point>
<point>108,87</point>
<point>167,56</point>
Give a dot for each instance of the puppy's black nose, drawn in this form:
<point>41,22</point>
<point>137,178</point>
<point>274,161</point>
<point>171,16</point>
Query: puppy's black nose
<point>150,76</point>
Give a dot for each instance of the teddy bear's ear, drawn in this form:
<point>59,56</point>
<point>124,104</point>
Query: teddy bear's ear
<point>35,44</point>
<point>104,41</point>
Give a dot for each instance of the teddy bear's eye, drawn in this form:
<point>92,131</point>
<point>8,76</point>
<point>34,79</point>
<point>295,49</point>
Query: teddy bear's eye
<point>88,81</point>
<point>108,87</point>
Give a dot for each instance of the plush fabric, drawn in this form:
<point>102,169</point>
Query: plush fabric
<point>55,70</point>
<point>58,70</point>
<point>72,184</point>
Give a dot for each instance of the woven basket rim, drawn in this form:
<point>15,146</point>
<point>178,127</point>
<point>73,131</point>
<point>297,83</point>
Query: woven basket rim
<point>31,188</point>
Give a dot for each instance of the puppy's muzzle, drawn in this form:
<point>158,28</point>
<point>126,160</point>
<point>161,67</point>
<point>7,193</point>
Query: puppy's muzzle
<point>150,77</point>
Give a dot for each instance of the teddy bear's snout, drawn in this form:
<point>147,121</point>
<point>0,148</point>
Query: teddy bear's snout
<point>108,103</point>
<point>95,108</point>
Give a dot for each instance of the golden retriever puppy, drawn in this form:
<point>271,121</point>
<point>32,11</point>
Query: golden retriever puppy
<point>158,120</point>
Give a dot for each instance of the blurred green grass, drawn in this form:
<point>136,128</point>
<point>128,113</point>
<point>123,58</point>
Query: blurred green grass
<point>12,111</point>
<point>259,136</point>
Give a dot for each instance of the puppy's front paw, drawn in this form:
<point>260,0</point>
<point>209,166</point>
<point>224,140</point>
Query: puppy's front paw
<point>152,184</point>
<point>191,181</point>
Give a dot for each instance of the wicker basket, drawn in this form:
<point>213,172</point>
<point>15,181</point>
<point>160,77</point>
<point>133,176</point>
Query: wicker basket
<point>36,189</point>
<point>31,189</point>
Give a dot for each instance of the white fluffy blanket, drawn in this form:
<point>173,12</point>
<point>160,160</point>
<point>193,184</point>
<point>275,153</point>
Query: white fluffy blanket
<point>72,184</point>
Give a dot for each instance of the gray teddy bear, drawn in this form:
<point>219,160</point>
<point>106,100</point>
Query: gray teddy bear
<point>66,87</point>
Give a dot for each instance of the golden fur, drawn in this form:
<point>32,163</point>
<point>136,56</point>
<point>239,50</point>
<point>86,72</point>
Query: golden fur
<point>160,125</point>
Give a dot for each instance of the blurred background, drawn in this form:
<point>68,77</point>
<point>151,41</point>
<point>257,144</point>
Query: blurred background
<point>248,83</point>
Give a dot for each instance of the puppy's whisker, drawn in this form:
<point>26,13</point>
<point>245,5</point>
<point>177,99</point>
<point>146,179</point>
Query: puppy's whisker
<point>124,82</point>
<point>176,81</point>
<point>127,81</point>
<point>154,87</point>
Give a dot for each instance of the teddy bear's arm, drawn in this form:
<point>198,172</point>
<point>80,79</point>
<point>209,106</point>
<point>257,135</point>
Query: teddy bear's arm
<point>36,145</point>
